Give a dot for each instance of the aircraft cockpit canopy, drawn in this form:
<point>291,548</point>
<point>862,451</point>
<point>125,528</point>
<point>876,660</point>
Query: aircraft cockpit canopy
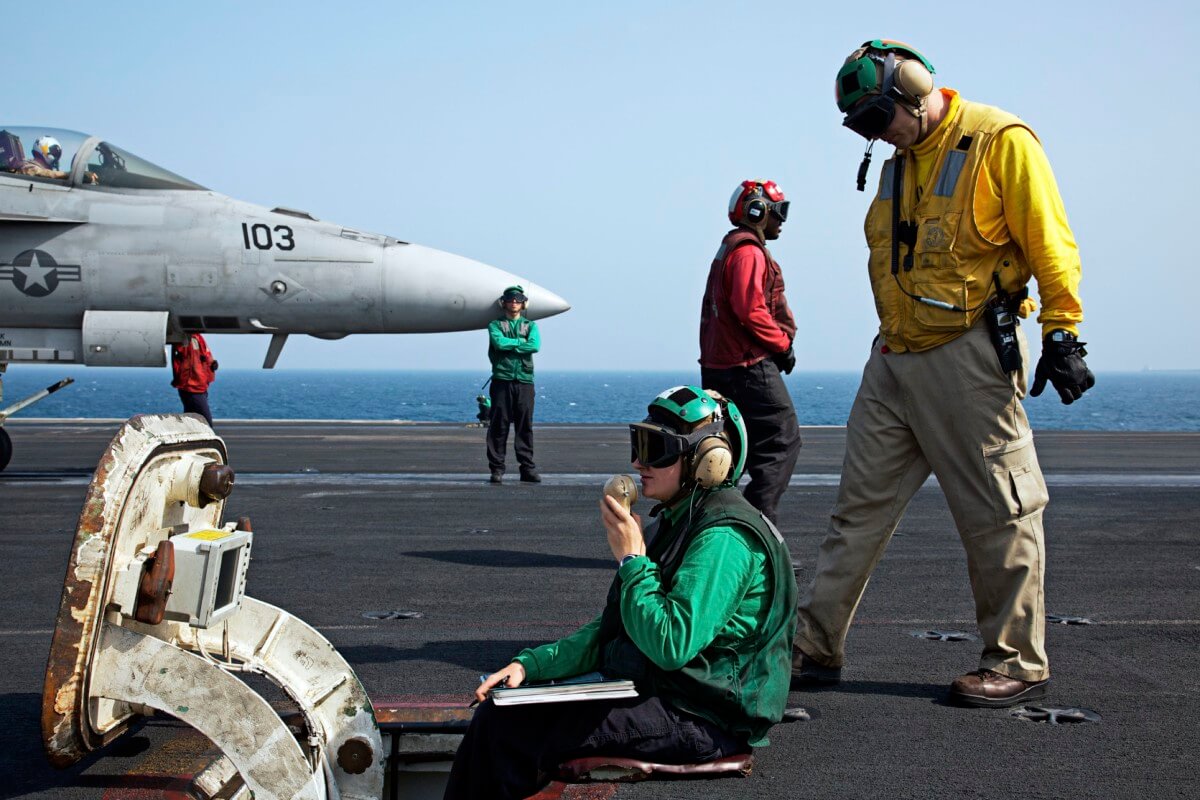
<point>60,156</point>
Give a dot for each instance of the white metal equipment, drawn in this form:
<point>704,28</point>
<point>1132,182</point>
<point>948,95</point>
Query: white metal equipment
<point>154,616</point>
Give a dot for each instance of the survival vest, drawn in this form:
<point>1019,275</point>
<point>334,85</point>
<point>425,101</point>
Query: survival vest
<point>741,688</point>
<point>724,341</point>
<point>191,365</point>
<point>945,257</point>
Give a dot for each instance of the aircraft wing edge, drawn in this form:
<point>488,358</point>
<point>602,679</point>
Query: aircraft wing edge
<point>8,216</point>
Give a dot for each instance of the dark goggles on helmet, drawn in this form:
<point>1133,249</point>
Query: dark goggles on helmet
<point>780,209</point>
<point>871,117</point>
<point>655,445</point>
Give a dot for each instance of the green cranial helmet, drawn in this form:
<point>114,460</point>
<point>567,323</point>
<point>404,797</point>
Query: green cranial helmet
<point>867,72</point>
<point>679,421</point>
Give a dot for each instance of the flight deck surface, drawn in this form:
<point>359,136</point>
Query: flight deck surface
<point>352,519</point>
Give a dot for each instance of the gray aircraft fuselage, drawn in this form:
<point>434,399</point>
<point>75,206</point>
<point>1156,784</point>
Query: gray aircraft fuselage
<point>108,263</point>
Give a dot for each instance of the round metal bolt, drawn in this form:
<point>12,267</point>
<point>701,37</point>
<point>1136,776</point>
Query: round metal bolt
<point>278,288</point>
<point>354,756</point>
<point>216,481</point>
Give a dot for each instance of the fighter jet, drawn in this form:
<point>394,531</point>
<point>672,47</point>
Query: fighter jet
<point>106,258</point>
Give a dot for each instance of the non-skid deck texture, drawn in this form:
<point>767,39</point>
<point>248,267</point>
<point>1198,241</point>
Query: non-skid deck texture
<point>351,519</point>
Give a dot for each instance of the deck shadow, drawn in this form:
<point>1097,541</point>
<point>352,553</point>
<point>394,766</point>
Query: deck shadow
<point>931,691</point>
<point>483,654</point>
<point>511,558</point>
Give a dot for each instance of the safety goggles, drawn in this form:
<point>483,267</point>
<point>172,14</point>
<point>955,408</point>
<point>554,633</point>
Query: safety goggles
<point>780,209</point>
<point>870,118</point>
<point>655,445</point>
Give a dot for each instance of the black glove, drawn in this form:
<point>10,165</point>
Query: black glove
<point>1062,364</point>
<point>786,361</point>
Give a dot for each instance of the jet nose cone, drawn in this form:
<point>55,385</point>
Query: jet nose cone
<point>427,290</point>
<point>543,302</point>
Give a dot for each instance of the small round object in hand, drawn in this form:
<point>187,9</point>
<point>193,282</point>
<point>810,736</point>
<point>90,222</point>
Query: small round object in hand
<point>623,489</point>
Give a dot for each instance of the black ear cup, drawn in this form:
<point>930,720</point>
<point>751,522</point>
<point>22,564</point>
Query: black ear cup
<point>712,462</point>
<point>756,211</point>
<point>912,80</point>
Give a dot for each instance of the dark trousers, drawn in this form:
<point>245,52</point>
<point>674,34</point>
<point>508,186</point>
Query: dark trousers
<point>196,403</point>
<point>771,424</point>
<point>512,751</point>
<point>512,403</point>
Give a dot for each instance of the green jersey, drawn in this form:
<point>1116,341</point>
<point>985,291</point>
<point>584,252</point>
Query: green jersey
<point>705,621</point>
<point>511,345</point>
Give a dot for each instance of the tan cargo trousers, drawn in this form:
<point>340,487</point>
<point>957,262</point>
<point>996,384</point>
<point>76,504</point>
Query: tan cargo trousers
<point>953,411</point>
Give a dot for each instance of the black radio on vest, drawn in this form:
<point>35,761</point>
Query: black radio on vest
<point>1002,325</point>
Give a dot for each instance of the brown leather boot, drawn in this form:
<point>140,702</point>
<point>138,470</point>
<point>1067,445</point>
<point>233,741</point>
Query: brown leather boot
<point>985,688</point>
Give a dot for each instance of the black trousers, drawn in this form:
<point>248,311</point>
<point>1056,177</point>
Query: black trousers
<point>196,403</point>
<point>510,752</point>
<point>771,424</point>
<point>512,404</point>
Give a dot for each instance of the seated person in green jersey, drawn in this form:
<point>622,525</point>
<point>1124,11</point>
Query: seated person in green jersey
<point>700,615</point>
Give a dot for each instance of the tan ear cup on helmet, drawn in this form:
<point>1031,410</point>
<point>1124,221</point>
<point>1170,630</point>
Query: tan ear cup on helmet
<point>712,462</point>
<point>913,80</point>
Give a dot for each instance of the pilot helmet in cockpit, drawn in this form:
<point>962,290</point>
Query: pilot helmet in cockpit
<point>47,151</point>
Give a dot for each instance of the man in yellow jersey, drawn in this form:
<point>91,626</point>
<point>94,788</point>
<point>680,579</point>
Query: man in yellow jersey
<point>966,213</point>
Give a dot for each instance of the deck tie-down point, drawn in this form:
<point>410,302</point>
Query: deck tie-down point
<point>944,636</point>
<point>1056,716</point>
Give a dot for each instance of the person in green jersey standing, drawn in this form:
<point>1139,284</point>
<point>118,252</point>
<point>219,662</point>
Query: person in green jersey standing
<point>512,341</point>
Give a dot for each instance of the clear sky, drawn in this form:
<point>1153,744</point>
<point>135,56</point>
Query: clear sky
<point>592,147</point>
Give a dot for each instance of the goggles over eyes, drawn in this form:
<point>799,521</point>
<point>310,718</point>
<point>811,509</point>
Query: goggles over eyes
<point>871,118</point>
<point>772,197</point>
<point>655,445</point>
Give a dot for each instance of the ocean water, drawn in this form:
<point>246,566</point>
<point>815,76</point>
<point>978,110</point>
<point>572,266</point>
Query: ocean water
<point>1150,401</point>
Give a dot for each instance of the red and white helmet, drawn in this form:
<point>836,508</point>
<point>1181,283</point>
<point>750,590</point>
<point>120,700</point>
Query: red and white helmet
<point>752,200</point>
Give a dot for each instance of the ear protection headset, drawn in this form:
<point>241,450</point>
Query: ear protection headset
<point>752,200</point>
<point>872,82</point>
<point>875,69</point>
<point>711,462</point>
<point>910,81</point>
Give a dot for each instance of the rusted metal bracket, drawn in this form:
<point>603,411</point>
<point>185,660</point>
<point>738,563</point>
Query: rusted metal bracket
<point>153,616</point>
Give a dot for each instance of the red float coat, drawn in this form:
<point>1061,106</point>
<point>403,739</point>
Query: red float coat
<point>192,365</point>
<point>745,316</point>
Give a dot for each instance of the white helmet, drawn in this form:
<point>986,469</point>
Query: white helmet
<point>47,150</point>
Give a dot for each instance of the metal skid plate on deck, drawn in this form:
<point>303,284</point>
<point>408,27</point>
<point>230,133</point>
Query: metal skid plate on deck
<point>128,640</point>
